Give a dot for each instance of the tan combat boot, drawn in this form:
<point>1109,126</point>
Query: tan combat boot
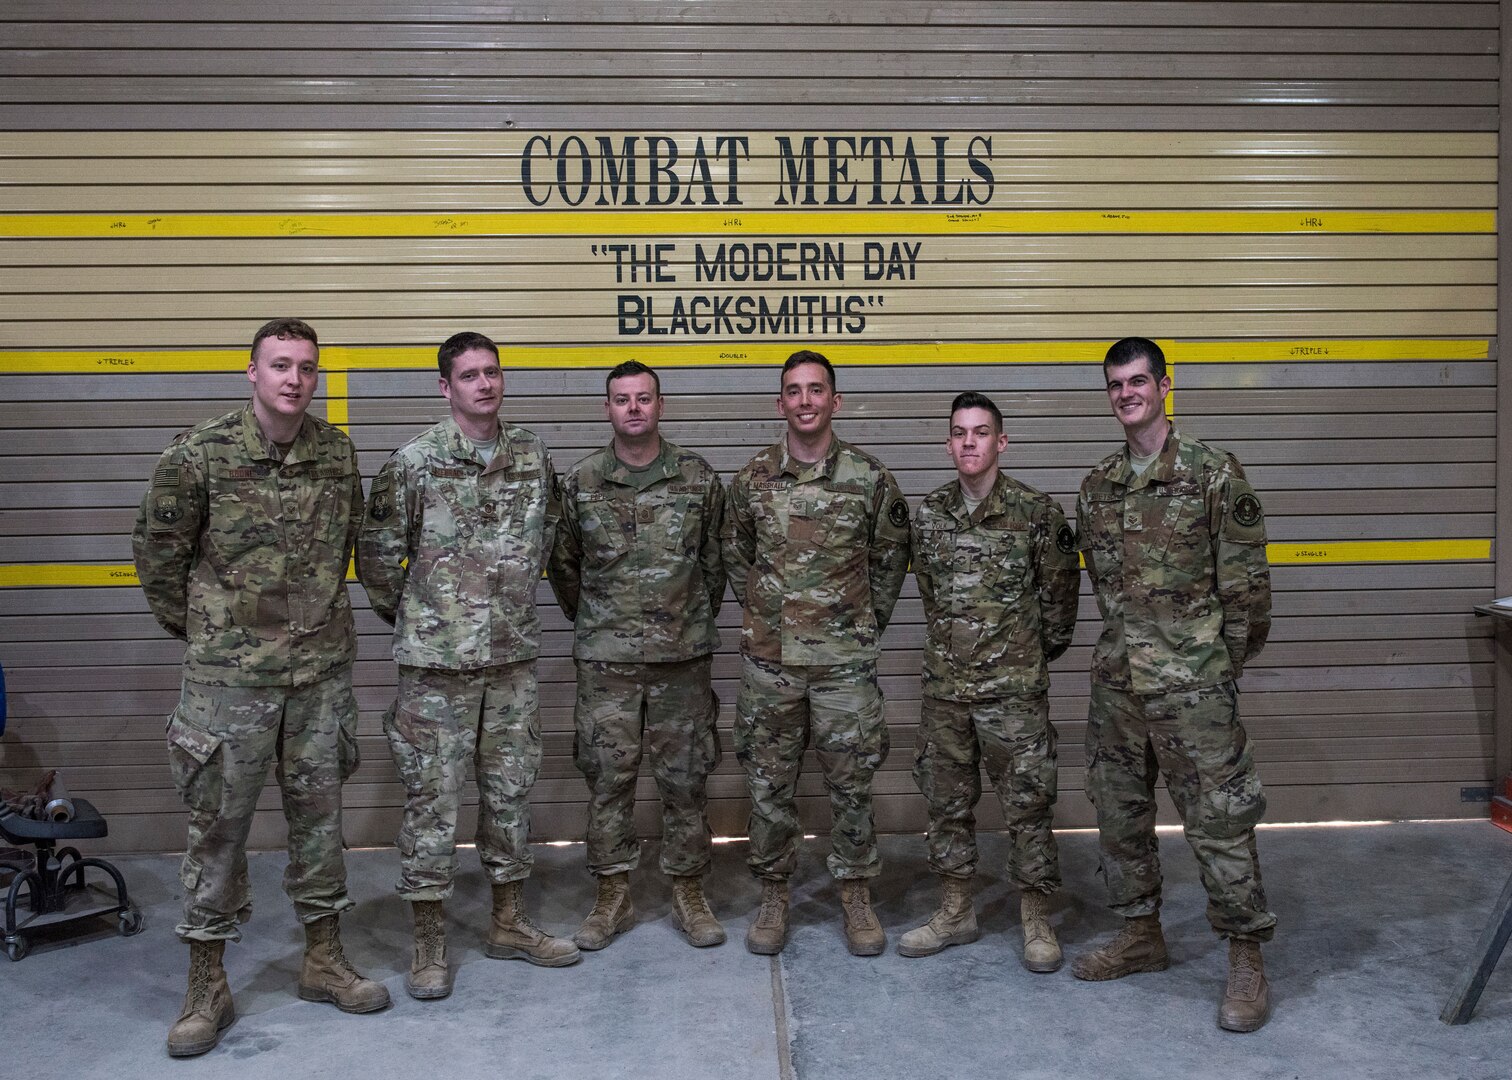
<point>512,936</point>
<point>207,1007</point>
<point>1042,952</point>
<point>863,933</point>
<point>1139,946</point>
<point>1246,1000</point>
<point>429,974</point>
<point>768,934</point>
<point>690,911</point>
<point>612,913</point>
<point>953,923</point>
<point>327,975</point>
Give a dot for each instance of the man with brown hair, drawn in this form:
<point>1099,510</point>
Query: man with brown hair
<point>242,545</point>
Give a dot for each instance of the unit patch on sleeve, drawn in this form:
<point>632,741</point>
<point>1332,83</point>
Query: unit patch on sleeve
<point>380,505</point>
<point>1065,539</point>
<point>897,513</point>
<point>1247,509</point>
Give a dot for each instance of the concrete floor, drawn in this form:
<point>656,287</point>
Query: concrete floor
<point>1376,925</point>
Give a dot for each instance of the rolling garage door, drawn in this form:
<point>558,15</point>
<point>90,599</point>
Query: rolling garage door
<point>1297,199</point>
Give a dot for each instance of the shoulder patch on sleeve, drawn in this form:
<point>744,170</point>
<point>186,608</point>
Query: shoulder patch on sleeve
<point>897,513</point>
<point>166,476</point>
<point>166,509</point>
<point>1244,517</point>
<point>1247,509</point>
<point>380,501</point>
<point>1065,539</point>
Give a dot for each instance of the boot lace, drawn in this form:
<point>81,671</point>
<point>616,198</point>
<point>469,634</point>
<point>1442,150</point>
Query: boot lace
<point>522,921</point>
<point>608,895</point>
<point>1126,936</point>
<point>1244,977</point>
<point>693,901</point>
<point>1035,910</point>
<point>432,939</point>
<point>858,910</point>
<point>200,969</point>
<point>331,938</point>
<point>771,907</point>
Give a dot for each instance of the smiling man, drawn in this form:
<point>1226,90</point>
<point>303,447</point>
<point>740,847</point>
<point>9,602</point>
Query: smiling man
<point>242,545</point>
<point>637,568</point>
<point>997,572</point>
<point>816,545</point>
<point>459,524</point>
<point>1174,539</point>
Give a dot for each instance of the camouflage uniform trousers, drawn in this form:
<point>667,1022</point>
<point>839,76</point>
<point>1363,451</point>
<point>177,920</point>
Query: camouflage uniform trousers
<point>1194,737</point>
<point>778,707</point>
<point>441,720</point>
<point>1014,738</point>
<point>221,742</point>
<point>673,707</point>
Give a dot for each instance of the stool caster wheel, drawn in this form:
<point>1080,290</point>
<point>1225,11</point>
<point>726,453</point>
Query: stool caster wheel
<point>130,922</point>
<point>17,947</point>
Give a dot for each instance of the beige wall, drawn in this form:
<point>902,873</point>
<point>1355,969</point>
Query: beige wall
<point>1298,199</point>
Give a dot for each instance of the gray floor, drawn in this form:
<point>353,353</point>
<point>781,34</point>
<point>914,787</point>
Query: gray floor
<point>1376,924</point>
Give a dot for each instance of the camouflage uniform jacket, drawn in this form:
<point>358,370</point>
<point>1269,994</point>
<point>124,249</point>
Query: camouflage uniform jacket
<point>999,587</point>
<point>639,570</point>
<point>244,555</point>
<point>451,552</point>
<point>1177,560</point>
<point>816,553</point>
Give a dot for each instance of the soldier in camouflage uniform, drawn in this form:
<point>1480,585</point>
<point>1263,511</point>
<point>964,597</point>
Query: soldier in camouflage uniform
<point>459,523</point>
<point>997,571</point>
<point>816,545</point>
<point>242,544</point>
<point>637,567</point>
<point>1174,540</point>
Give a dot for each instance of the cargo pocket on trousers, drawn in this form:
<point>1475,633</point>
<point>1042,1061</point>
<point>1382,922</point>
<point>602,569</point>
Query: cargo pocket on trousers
<point>713,753</point>
<point>190,872</point>
<point>1235,806</point>
<point>406,757</point>
<point>350,756</point>
<point>190,749</point>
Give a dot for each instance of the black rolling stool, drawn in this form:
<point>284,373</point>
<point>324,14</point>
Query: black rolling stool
<point>52,882</point>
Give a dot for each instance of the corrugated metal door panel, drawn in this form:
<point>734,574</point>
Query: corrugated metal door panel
<point>1340,346</point>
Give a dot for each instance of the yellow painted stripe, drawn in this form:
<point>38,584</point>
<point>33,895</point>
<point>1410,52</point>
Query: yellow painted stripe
<point>1339,350</point>
<point>1364,551</point>
<point>336,398</point>
<point>335,359</point>
<point>746,222</point>
<point>44,575</point>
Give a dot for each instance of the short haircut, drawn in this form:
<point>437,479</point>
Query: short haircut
<point>973,400</point>
<point>285,330</point>
<point>1131,349</point>
<point>458,344</point>
<point>809,356</point>
<point>627,369</point>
